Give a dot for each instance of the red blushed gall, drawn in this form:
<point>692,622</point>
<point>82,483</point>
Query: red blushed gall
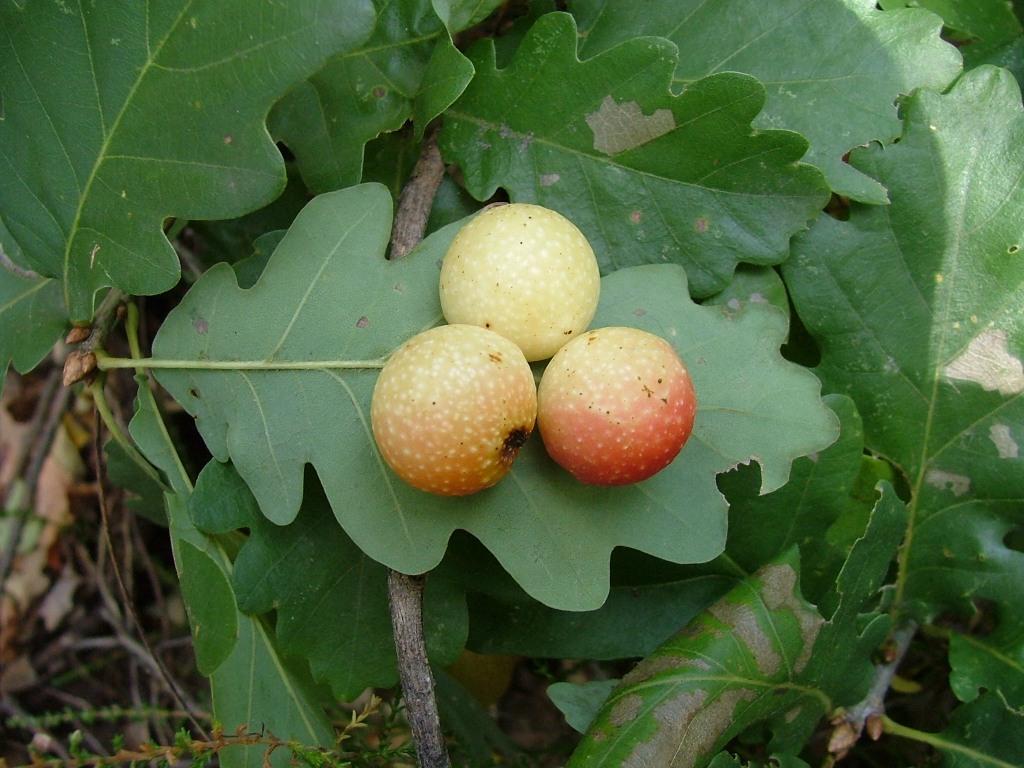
<point>452,407</point>
<point>615,406</point>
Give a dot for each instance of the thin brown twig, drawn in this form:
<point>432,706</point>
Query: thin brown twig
<point>417,198</point>
<point>81,361</point>
<point>406,599</point>
<point>868,713</point>
<point>405,593</point>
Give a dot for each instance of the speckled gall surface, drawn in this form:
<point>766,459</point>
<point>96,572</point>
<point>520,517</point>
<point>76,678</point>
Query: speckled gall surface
<point>615,406</point>
<point>524,271</point>
<point>452,407</point>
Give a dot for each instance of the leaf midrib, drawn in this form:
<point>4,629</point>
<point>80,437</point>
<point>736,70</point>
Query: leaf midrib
<point>24,295</point>
<point>608,161</point>
<point>942,317</point>
<point>101,156</point>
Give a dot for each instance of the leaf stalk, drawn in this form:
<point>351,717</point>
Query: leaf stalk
<point>107,362</point>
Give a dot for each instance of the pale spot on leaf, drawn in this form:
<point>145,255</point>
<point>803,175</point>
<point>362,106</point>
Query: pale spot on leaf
<point>743,624</point>
<point>1004,442</point>
<point>618,127</point>
<point>987,361</point>
<point>948,481</point>
<point>625,710</point>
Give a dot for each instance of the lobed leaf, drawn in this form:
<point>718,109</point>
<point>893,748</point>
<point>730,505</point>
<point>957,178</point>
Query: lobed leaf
<point>407,68</point>
<point>83,83</point>
<point>32,320</point>
<point>752,285</point>
<point>983,734</point>
<point>991,21</point>
<point>32,315</point>
<point>309,312</point>
<point>649,177</point>
<point>331,601</point>
<point>916,308</point>
<point>737,663</point>
<point>252,685</point>
<point>832,70</point>
<point>820,492</point>
<point>646,604</point>
<point>761,653</point>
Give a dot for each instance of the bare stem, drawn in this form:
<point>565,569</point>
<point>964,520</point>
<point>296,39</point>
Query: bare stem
<point>871,709</point>
<point>936,740</point>
<point>81,362</point>
<point>417,199</point>
<point>105,363</point>
<point>406,593</point>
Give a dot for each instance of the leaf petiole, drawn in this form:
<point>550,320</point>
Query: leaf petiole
<point>105,363</point>
<point>116,433</point>
<point>942,744</point>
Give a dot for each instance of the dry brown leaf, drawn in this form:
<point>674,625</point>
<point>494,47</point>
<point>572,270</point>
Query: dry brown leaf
<point>62,467</point>
<point>12,437</point>
<point>17,676</point>
<point>60,599</point>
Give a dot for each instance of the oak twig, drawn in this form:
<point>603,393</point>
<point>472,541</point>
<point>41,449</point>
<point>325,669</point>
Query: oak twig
<point>417,198</point>
<point>869,713</point>
<point>81,362</point>
<point>406,597</point>
<point>405,593</point>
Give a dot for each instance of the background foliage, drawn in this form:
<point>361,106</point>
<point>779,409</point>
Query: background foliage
<point>818,204</point>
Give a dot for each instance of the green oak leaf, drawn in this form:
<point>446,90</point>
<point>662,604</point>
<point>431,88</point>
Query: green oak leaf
<point>253,686</point>
<point>759,654</point>
<point>408,67</point>
<point>249,269</point>
<point>736,664</point>
<point>994,663</point>
<point>32,316</point>
<point>447,74</point>
<point>820,492</point>
<point>144,493</point>
<point>654,603</point>
<point>651,612</point>
<point>649,177</point>
<point>32,320</point>
<point>991,21</point>
<point>580,702</point>
<point>85,82</point>
<point>211,606</point>
<point>281,375</point>
<point>462,14</point>
<point>331,600</point>
<point>214,241</point>
<point>752,285</point>
<point>916,308</point>
<point>832,69</point>
<point>1007,55</point>
<point>983,734</point>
